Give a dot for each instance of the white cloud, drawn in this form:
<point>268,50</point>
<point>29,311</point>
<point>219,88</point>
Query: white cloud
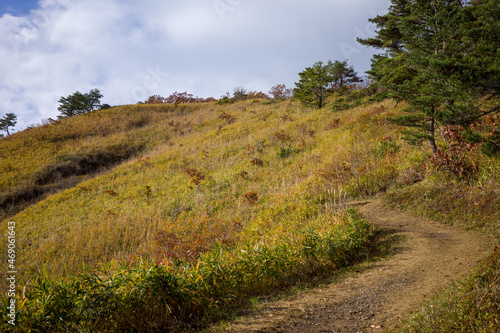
<point>131,50</point>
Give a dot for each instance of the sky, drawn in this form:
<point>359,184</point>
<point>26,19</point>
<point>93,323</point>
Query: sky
<point>131,50</point>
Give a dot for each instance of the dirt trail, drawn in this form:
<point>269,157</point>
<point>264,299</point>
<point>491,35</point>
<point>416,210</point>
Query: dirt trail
<point>429,256</point>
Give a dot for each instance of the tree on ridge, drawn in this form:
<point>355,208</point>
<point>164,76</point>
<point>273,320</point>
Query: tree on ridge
<point>79,103</point>
<point>9,120</point>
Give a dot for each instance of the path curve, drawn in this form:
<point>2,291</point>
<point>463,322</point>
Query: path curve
<point>430,256</point>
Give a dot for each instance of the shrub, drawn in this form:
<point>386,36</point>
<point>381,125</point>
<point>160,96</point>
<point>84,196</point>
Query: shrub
<point>177,98</point>
<point>250,197</point>
<point>284,152</point>
<point>456,156</point>
<point>282,136</point>
<point>224,100</point>
<point>388,146</point>
<point>257,95</point>
<point>187,237</point>
<point>196,176</point>
<point>333,124</point>
<point>240,93</point>
<point>286,117</point>
<point>155,99</point>
<point>227,117</point>
<point>492,146</point>
<point>257,161</point>
<point>280,91</point>
<point>340,106</point>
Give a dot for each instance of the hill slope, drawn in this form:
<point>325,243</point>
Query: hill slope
<point>222,165</point>
<point>250,189</point>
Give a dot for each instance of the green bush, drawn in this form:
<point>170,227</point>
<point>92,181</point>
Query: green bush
<point>224,100</point>
<point>285,152</point>
<point>378,97</point>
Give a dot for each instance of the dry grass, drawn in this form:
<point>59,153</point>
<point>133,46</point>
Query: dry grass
<point>193,167</point>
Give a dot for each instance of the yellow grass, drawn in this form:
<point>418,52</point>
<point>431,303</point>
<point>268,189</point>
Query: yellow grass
<point>121,214</point>
<point>118,214</point>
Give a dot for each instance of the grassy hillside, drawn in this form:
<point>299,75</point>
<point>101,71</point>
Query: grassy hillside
<point>43,160</point>
<point>214,170</point>
<point>209,191</point>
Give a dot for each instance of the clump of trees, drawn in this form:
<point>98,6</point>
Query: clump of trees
<point>441,57</point>
<point>78,103</point>
<point>9,120</point>
<point>319,81</point>
<point>239,94</point>
<point>177,98</point>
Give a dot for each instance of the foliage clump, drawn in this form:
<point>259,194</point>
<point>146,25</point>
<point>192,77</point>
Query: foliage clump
<point>455,157</point>
<point>492,145</point>
<point>281,92</point>
<point>285,152</point>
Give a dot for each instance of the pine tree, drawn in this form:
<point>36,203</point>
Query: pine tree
<point>441,57</point>
<point>9,120</point>
<point>79,103</point>
<point>94,99</point>
<point>314,83</point>
<point>343,74</point>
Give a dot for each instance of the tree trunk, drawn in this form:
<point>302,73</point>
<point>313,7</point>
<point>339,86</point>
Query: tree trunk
<point>432,139</point>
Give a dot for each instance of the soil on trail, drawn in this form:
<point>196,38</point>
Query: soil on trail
<point>428,257</point>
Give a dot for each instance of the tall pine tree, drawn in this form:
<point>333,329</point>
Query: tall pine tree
<point>442,57</point>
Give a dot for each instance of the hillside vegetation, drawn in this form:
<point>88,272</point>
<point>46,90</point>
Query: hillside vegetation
<point>191,209</point>
<point>43,160</point>
<point>214,169</point>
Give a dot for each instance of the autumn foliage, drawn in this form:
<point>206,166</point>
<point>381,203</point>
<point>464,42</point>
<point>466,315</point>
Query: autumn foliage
<point>280,91</point>
<point>178,98</point>
<point>455,157</point>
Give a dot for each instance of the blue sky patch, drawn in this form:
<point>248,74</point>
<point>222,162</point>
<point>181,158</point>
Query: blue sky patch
<point>17,7</point>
